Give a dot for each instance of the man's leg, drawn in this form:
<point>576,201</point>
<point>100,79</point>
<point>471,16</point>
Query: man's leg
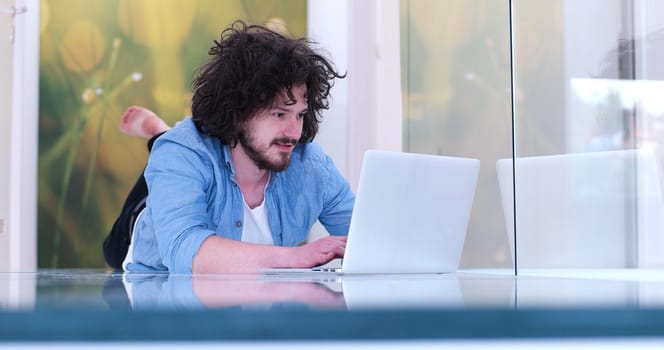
<point>117,242</point>
<point>136,121</point>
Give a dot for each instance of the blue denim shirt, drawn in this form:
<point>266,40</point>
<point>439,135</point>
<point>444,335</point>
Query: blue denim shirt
<point>193,195</point>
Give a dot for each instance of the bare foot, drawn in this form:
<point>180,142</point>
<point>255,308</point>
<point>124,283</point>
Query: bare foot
<point>139,121</point>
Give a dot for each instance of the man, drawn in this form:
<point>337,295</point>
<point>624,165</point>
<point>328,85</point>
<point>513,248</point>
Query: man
<point>238,186</point>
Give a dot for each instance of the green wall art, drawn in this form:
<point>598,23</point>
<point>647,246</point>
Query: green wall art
<point>99,57</point>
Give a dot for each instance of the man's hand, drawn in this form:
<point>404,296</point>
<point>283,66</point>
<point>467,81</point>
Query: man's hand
<point>319,252</point>
<point>222,255</point>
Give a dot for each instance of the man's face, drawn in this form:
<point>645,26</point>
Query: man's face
<point>269,137</point>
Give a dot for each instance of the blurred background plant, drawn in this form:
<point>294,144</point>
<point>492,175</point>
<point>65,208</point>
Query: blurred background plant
<point>97,58</point>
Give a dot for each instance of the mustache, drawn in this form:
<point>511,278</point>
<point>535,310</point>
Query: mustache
<point>285,141</point>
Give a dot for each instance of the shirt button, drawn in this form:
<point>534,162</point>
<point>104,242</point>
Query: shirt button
<point>238,223</point>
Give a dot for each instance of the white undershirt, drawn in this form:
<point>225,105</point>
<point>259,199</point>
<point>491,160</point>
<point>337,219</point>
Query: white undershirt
<point>255,228</point>
<point>129,258</point>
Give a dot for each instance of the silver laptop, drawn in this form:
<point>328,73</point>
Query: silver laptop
<point>410,216</point>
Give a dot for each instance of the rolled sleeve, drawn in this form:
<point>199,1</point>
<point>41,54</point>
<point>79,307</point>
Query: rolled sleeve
<point>338,200</point>
<point>178,185</point>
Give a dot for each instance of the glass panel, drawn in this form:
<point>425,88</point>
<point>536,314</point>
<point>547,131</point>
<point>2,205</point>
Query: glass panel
<point>456,83</point>
<point>587,133</point>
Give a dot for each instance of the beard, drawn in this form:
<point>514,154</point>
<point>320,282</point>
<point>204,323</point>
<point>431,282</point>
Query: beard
<point>259,154</point>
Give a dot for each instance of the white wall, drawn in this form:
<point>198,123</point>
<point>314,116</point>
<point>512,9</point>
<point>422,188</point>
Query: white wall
<point>6,64</point>
<point>19,135</point>
<point>327,24</point>
<point>363,39</point>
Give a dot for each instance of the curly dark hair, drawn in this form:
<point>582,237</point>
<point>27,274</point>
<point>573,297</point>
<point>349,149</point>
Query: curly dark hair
<point>249,66</point>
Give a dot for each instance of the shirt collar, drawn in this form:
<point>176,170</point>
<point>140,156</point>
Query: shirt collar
<point>226,150</point>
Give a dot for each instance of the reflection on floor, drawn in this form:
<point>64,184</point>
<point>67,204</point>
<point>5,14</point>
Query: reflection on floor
<point>471,289</point>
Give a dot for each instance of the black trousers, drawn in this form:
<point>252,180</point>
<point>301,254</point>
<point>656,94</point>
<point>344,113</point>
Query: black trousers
<point>117,242</point>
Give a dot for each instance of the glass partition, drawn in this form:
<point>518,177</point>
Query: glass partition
<point>456,86</point>
<point>584,187</point>
<point>588,134</point>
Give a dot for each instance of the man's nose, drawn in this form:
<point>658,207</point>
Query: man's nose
<point>293,128</point>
